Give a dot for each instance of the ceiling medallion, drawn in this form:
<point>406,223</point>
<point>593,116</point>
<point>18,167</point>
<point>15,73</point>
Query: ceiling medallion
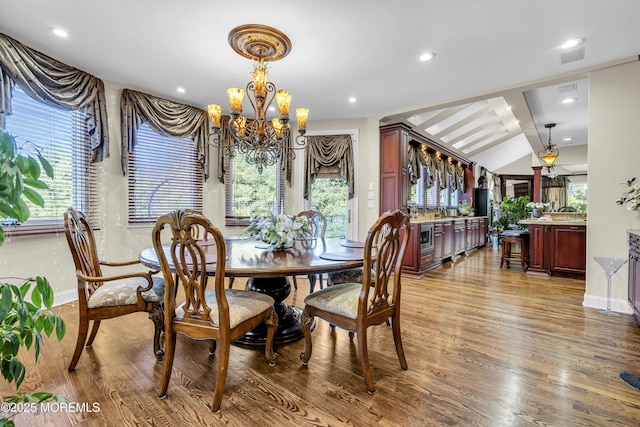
<point>259,42</point>
<point>264,142</point>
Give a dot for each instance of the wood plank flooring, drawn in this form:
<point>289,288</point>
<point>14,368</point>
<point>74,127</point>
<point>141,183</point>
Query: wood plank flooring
<point>485,347</point>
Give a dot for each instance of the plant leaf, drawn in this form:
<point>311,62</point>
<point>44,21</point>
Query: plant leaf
<point>7,299</point>
<point>34,168</point>
<point>36,183</point>
<point>46,166</point>
<point>17,371</point>
<point>61,328</point>
<point>33,196</point>
<point>21,210</point>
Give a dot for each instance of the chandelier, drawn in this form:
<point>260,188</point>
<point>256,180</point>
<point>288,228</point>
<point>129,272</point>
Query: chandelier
<point>549,153</point>
<point>262,141</point>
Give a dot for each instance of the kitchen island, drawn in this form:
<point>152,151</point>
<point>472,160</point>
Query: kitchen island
<point>558,244</point>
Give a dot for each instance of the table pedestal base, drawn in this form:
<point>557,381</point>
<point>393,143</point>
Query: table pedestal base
<point>289,328</point>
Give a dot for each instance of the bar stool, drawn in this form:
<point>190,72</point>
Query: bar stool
<point>521,238</point>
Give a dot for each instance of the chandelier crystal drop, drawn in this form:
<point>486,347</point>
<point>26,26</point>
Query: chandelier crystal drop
<point>262,141</point>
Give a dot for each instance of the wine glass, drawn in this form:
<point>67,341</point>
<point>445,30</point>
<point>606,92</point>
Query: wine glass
<point>610,265</point>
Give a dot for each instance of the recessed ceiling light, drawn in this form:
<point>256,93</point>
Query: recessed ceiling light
<point>59,32</point>
<point>427,56</point>
<point>571,43</point>
<point>352,99</point>
<point>181,90</point>
<point>509,107</point>
<point>569,100</point>
<point>568,139</point>
<point>272,108</point>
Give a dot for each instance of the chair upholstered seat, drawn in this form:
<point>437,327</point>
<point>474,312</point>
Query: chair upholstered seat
<point>352,275</point>
<point>243,305</point>
<point>340,299</point>
<point>124,291</point>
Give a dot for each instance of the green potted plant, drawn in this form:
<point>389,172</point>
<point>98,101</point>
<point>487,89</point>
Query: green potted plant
<point>25,309</point>
<point>512,211</point>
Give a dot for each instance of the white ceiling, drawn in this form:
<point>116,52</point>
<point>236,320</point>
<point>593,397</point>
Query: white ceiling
<point>490,50</point>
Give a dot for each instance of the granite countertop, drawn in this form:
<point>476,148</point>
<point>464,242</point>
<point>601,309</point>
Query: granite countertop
<point>559,218</point>
<point>547,220</point>
<point>635,232</point>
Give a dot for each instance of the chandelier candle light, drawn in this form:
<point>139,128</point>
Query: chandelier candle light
<point>549,153</point>
<point>262,141</point>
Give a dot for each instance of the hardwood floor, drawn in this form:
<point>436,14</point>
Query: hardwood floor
<point>485,347</point>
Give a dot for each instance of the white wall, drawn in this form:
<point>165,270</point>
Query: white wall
<point>614,154</point>
<point>49,256</point>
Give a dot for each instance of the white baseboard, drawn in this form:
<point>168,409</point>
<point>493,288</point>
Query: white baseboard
<point>65,297</point>
<point>617,305</point>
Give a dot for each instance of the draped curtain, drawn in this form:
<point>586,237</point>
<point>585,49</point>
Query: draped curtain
<point>327,151</point>
<point>450,174</point>
<point>497,192</point>
<point>286,154</point>
<point>163,116</point>
<point>56,84</point>
<point>554,191</point>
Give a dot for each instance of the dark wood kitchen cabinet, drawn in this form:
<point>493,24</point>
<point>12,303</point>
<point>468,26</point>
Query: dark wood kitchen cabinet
<point>558,250</point>
<point>394,180</point>
<point>459,237</point>
<point>568,250</point>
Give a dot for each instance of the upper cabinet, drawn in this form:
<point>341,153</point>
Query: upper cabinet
<point>394,179</point>
<point>395,187</point>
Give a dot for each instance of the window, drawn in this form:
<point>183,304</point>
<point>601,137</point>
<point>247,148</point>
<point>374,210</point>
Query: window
<point>448,196</point>
<point>329,196</point>
<point>62,138</point>
<point>249,192</point>
<point>164,174</point>
<point>577,196</point>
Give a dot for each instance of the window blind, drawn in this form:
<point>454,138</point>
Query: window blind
<point>164,175</point>
<point>62,138</point>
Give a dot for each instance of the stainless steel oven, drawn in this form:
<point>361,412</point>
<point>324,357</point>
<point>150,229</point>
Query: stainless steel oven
<point>426,238</point>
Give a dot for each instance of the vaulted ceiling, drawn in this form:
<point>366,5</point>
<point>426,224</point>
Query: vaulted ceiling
<point>498,75</point>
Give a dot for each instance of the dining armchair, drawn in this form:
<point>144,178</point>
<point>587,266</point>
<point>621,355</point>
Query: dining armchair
<point>218,314</point>
<point>357,306</point>
<point>318,224</point>
<point>103,296</point>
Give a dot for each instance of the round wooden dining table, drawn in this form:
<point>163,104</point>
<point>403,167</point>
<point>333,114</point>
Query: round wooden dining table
<point>269,271</point>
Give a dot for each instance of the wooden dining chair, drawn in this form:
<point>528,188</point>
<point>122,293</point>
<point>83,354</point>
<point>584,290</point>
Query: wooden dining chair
<point>214,314</point>
<point>357,306</point>
<point>103,296</point>
<point>318,224</point>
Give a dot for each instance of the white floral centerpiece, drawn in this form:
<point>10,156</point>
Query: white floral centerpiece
<point>631,197</point>
<point>278,231</point>
<point>537,205</point>
<point>537,208</point>
<point>464,207</point>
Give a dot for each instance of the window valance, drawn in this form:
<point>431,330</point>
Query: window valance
<point>56,84</point>
<point>327,151</point>
<point>164,116</point>
<point>450,173</point>
<point>558,181</point>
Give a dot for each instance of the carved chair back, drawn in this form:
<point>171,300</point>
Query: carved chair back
<point>83,248</point>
